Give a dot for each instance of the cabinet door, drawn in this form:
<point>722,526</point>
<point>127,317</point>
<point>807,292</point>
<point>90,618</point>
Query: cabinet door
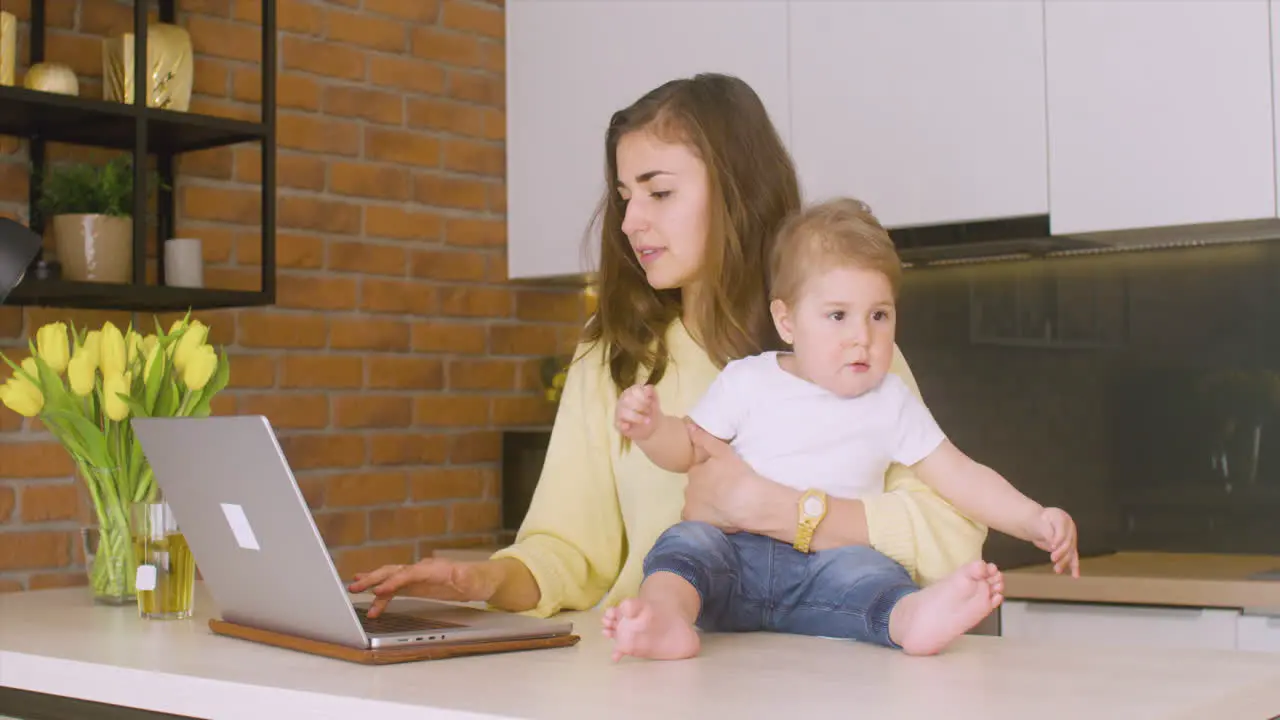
<point>931,112</point>
<point>1259,632</point>
<point>1119,625</point>
<point>1160,113</point>
<point>571,64</point>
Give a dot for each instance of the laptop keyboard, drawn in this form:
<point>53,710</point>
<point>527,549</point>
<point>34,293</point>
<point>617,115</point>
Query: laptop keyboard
<point>390,622</point>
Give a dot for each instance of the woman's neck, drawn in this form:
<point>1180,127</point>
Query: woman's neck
<point>688,305</point>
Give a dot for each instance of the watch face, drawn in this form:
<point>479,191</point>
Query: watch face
<point>813,507</point>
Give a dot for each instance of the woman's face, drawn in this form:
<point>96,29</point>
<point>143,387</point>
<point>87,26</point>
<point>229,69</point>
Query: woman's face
<point>665,189</point>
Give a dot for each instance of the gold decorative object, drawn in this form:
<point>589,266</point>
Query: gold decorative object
<point>169,58</point>
<point>52,78</point>
<point>8,47</point>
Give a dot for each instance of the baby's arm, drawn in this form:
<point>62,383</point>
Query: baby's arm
<point>663,438</point>
<point>984,495</point>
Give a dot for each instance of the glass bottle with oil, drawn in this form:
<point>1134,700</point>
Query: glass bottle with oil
<point>166,567</point>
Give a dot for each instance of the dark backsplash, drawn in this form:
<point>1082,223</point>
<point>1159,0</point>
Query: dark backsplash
<point>1138,391</point>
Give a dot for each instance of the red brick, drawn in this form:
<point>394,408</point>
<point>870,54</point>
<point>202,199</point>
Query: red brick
<point>421,11</point>
<point>523,410</point>
<point>327,216</point>
<point>217,241</point>
<point>474,18</point>
<point>410,148</point>
<point>474,374</point>
<point>406,74</point>
<point>45,581</point>
<point>222,38</point>
<point>471,517</point>
<point>366,488</point>
<point>471,156</point>
<point>277,330</point>
<point>372,105</point>
<point>10,322</point>
<point>393,222</point>
<point>461,301</point>
<point>523,340</point>
<point>408,449</point>
<point>296,16</point>
<point>50,503</point>
<point>343,528</point>
<point>288,410</point>
<point>81,53</point>
<point>408,522</point>
<point>252,371</point>
<point>243,207</point>
<point>292,251</point>
<point>469,232</point>
<point>450,192</point>
<point>449,337</point>
<point>8,499</point>
<point>384,182</point>
<point>446,46</point>
<point>449,483</point>
<point>397,297</point>
<point>475,447</point>
<point>446,265</point>
<point>315,293</point>
<point>451,410</point>
<point>34,460</point>
<point>324,450</point>
<point>367,258</point>
<point>322,371</point>
<point>372,411</point>
<point>317,134</point>
<point>477,87</point>
<point>405,372</point>
<point>294,91</point>
<point>566,307</point>
<point>293,170</point>
<point>365,333</point>
<point>34,550</point>
<point>368,31</point>
<point>322,58</point>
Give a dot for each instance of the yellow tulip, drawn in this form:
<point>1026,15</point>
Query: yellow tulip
<point>92,348</point>
<point>133,347</point>
<point>114,353</point>
<point>192,339</point>
<point>148,344</point>
<point>52,346</point>
<point>81,373</point>
<point>200,367</point>
<point>22,397</point>
<point>116,408</point>
<point>153,353</point>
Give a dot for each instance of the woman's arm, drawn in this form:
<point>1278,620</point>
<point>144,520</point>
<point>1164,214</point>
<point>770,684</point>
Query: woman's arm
<point>570,545</point>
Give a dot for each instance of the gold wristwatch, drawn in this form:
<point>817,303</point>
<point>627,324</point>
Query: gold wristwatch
<point>812,508</point>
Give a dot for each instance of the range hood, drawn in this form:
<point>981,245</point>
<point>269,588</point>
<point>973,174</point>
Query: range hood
<point>1026,238</point>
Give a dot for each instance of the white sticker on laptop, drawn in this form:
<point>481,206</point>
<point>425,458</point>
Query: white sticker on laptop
<point>240,526</point>
<point>146,577</point>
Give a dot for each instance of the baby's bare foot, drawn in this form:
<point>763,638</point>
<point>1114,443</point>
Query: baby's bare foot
<point>925,622</point>
<point>645,629</point>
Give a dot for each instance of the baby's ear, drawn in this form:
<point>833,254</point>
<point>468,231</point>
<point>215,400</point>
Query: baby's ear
<point>781,320</point>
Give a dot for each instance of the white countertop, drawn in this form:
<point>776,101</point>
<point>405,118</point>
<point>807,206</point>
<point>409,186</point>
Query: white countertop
<point>55,641</point>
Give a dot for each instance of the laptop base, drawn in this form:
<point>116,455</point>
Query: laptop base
<point>387,656</point>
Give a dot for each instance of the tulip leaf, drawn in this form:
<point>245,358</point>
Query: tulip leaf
<point>95,443</point>
<point>135,407</point>
<point>154,379</point>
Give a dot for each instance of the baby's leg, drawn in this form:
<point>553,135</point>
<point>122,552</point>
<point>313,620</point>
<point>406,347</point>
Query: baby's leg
<point>859,593</point>
<point>691,561</point>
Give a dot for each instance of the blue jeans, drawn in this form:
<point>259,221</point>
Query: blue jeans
<point>752,582</point>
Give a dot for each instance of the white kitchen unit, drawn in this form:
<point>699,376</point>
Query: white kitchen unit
<point>572,64</point>
<point>1275,95</point>
<point>1160,113</point>
<point>931,112</point>
<point>1120,625</point>
<point>1259,631</point>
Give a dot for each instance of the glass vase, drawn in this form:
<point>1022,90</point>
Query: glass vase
<point>109,560</point>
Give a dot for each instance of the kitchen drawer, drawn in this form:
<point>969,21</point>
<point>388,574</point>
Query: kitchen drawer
<point>1259,632</point>
<point>1120,625</point>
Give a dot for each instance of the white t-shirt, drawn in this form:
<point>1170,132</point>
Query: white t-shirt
<point>796,433</point>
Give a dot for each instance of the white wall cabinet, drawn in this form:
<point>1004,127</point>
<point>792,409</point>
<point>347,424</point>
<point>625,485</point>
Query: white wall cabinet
<point>1160,113</point>
<point>930,112</point>
<point>572,64</point>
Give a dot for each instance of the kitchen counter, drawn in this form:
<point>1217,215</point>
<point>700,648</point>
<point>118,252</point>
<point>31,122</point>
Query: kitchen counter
<point>57,642</point>
<point>1150,578</point>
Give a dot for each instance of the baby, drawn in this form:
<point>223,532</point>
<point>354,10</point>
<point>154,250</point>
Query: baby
<point>826,418</point>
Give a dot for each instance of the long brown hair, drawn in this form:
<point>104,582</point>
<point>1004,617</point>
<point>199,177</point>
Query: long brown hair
<point>752,188</point>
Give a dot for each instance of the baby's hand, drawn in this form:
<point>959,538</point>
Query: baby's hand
<point>1057,535</point>
<point>638,412</point>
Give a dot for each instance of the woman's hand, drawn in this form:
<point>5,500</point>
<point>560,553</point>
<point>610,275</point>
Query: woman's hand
<point>430,578</point>
<point>724,491</point>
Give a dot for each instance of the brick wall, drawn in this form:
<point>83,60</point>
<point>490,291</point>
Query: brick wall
<point>397,350</point>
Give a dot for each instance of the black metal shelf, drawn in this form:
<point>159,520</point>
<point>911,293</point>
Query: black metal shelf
<point>111,296</point>
<point>43,117</point>
<point>101,123</point>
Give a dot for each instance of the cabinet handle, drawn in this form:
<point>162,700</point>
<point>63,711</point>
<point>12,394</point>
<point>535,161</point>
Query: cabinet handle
<point>1122,610</point>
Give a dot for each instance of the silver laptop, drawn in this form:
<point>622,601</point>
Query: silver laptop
<point>256,544</point>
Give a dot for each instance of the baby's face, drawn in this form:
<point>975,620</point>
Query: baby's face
<point>841,329</point>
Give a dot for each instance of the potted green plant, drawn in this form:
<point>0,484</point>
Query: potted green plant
<point>89,210</point>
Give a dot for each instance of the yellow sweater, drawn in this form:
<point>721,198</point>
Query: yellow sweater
<point>597,511</point>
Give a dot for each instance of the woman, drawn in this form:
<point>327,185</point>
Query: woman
<point>699,182</point>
